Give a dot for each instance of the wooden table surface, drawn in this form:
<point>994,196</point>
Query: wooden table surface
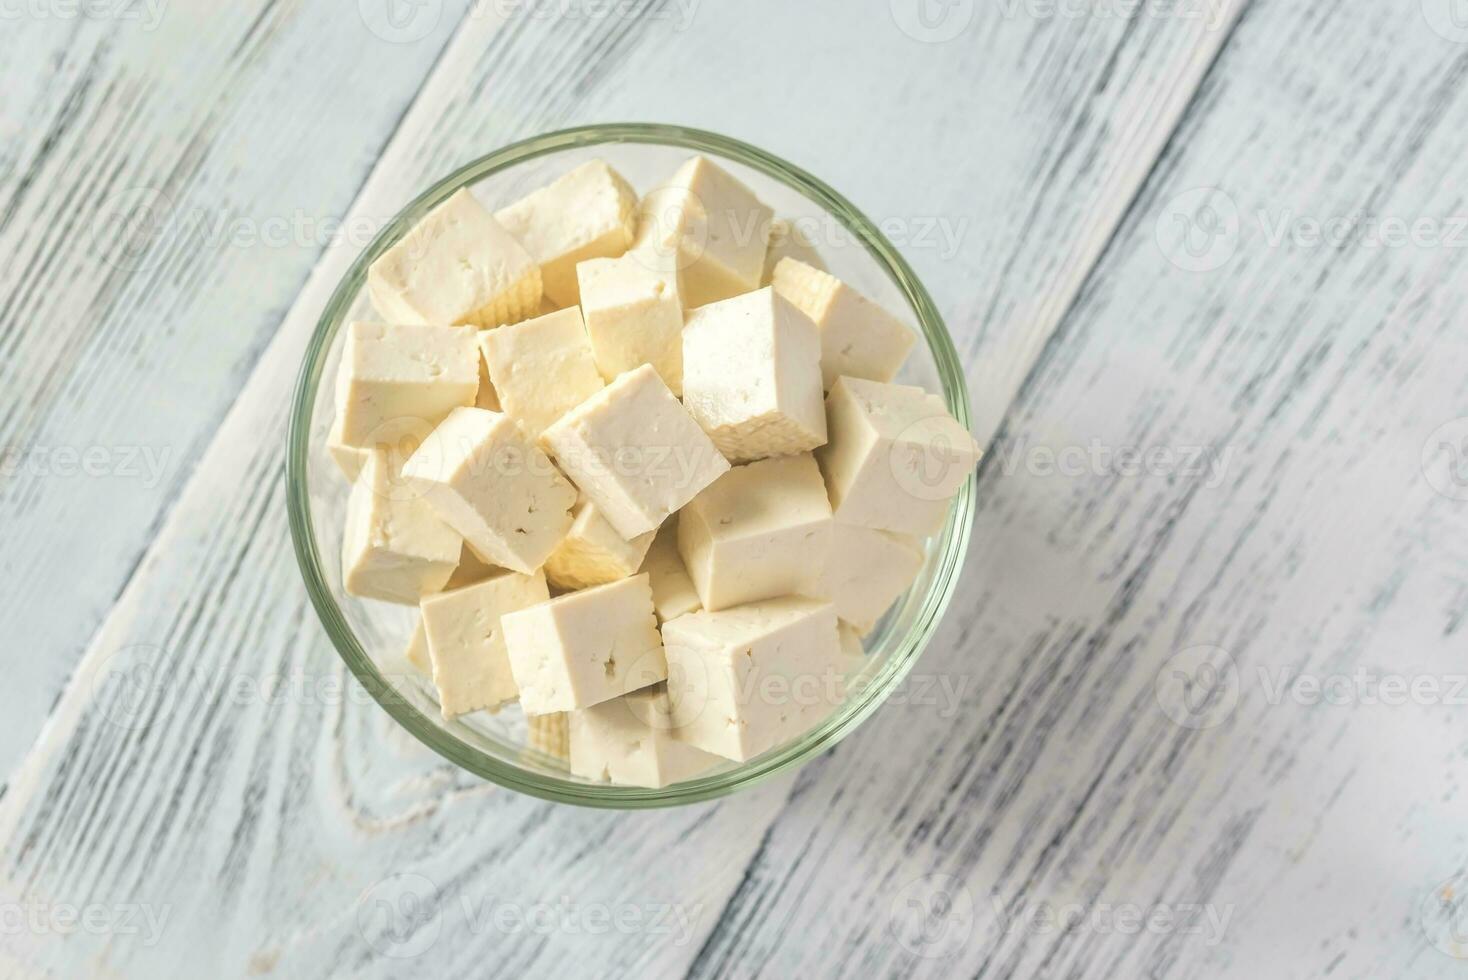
<point>1200,707</point>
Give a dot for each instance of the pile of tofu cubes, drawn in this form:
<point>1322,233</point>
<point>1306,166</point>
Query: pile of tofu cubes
<point>640,464</point>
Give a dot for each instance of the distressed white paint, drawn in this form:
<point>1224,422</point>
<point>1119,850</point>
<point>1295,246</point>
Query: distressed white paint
<point>1045,771</point>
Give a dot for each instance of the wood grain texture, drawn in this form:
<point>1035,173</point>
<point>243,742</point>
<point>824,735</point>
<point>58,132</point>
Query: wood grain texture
<point>1031,761</point>
<point>166,184</point>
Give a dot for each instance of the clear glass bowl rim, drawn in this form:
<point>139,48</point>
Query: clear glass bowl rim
<point>952,543</point>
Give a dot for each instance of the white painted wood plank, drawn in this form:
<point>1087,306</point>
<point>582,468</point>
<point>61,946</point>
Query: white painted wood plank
<point>166,184</point>
<point>1305,837</point>
<point>264,827</point>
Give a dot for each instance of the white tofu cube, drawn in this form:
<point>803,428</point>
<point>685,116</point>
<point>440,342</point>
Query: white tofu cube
<point>788,241</point>
<point>456,266</point>
<point>593,553</point>
<point>550,734</point>
<point>627,741</point>
<point>349,459</point>
<point>851,647</point>
<point>895,457</point>
<point>394,547</point>
<point>466,643</point>
<point>745,680</point>
<point>758,532</point>
<point>713,226</point>
<point>471,570</point>
<point>417,651</point>
<point>859,339</point>
<point>487,398</point>
<point>633,316</point>
<point>752,376</point>
<point>541,368</point>
<point>396,377</point>
<point>488,482</point>
<point>589,213</point>
<point>634,450</point>
<point>865,572</point>
<point>585,647</point>
<point>673,594</point>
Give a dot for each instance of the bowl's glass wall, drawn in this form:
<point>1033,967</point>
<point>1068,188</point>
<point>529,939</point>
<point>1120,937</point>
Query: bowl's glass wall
<point>372,635</point>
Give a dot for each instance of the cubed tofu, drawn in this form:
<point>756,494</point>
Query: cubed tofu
<point>859,339</point>
<point>585,647</point>
<point>589,213</point>
<point>349,459</point>
<point>673,594</point>
<point>392,377</point>
<point>851,647</point>
<point>466,643</point>
<point>492,485</point>
<point>894,458</point>
<point>417,651</point>
<point>713,226</point>
<point>394,547</point>
<point>550,734</point>
<point>787,240</point>
<point>745,680</point>
<point>456,266</point>
<point>865,572</point>
<point>627,741</point>
<point>593,553</point>
<point>633,316</point>
<point>487,398</point>
<point>541,368</point>
<point>758,532</point>
<point>634,450</point>
<point>752,376</point>
<point>471,570</point>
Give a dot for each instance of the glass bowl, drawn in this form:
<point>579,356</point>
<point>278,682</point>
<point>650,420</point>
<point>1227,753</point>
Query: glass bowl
<point>372,636</point>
